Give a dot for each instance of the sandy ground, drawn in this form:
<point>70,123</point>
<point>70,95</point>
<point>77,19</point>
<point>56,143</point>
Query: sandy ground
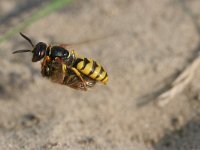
<point>142,44</point>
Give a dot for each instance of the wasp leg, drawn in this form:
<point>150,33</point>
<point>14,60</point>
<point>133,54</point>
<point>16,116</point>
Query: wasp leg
<point>80,77</point>
<point>72,82</point>
<point>46,59</point>
<point>75,85</point>
<point>64,71</point>
<point>43,64</point>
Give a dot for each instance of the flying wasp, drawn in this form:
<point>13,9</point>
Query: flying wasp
<point>65,67</point>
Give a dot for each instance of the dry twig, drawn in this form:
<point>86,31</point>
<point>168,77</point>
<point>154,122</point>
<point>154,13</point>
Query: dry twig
<point>179,84</point>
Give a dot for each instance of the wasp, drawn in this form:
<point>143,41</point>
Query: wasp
<point>66,67</point>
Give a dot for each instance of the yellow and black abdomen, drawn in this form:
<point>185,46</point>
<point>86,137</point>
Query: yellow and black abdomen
<point>91,69</point>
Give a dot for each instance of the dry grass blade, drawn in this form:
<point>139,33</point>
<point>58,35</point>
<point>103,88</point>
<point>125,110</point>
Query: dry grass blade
<point>179,84</point>
<point>42,12</point>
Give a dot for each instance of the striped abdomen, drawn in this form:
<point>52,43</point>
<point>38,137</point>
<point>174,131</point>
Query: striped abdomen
<point>91,69</point>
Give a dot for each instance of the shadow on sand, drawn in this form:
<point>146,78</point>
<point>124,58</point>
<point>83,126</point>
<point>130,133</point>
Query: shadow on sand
<point>186,138</point>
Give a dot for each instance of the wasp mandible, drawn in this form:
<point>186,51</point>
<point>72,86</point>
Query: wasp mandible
<point>68,67</point>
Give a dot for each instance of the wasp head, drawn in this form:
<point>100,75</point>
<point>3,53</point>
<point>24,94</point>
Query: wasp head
<point>38,50</point>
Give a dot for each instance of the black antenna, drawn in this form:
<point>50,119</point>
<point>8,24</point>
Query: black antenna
<point>29,40</point>
<point>22,51</point>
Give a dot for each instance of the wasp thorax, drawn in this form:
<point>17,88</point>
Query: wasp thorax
<point>39,51</point>
<point>57,51</point>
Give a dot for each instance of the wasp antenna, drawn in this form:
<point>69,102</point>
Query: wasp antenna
<point>21,51</point>
<point>29,40</point>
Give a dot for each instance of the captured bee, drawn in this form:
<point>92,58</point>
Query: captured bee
<point>53,70</point>
<point>66,67</point>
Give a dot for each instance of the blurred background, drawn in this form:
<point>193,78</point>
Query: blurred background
<point>144,45</point>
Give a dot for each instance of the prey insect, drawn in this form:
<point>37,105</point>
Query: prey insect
<point>54,71</point>
<point>65,67</point>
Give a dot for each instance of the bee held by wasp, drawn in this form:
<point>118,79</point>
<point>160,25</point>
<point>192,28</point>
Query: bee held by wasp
<point>64,67</point>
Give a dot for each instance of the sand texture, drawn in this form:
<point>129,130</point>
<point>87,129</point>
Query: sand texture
<point>143,44</point>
